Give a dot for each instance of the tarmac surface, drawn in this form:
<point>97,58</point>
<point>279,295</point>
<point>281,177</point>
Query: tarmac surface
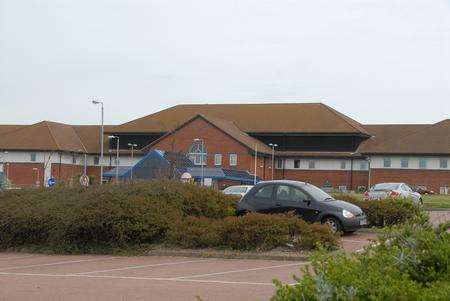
<point>90,277</point>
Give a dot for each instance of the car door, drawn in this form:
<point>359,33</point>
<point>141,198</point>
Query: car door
<point>263,199</point>
<point>289,198</point>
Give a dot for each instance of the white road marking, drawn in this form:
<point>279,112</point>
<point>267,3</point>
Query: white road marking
<point>17,257</point>
<point>358,241</point>
<point>144,266</point>
<point>137,278</point>
<point>241,271</point>
<point>55,263</point>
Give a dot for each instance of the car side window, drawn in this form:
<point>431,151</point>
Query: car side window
<point>288,193</point>
<point>265,192</point>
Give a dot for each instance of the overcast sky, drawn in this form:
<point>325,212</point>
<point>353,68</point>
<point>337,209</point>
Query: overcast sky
<point>378,61</point>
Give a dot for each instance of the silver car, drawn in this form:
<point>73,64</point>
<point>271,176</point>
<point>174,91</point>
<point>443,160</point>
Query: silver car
<point>393,190</point>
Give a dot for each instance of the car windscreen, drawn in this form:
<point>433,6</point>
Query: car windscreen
<point>317,193</point>
<point>386,186</point>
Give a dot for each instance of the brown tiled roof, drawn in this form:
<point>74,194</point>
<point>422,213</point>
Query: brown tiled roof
<point>251,118</point>
<point>408,139</point>
<point>5,128</point>
<point>45,135</point>
<point>90,137</point>
<point>227,127</point>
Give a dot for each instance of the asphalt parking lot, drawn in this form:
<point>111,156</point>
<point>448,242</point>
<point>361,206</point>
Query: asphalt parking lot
<point>90,277</point>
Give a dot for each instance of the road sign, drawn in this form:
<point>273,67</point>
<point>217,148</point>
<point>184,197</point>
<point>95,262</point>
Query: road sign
<point>84,180</point>
<point>51,182</point>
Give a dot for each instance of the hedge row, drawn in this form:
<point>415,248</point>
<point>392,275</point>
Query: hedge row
<point>77,220</point>
<point>102,218</point>
<point>252,231</point>
<point>411,262</point>
<point>381,213</point>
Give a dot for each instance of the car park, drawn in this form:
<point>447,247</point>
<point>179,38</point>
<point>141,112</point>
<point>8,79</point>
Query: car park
<point>383,191</point>
<point>239,190</point>
<point>306,200</point>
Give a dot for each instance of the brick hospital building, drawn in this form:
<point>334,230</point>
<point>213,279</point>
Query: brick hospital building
<point>308,141</point>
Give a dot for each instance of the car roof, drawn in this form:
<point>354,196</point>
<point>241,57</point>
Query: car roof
<point>296,183</point>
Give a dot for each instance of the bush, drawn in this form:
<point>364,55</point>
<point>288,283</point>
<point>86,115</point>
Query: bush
<point>410,262</point>
<point>386,212</point>
<point>250,232</point>
<point>108,216</point>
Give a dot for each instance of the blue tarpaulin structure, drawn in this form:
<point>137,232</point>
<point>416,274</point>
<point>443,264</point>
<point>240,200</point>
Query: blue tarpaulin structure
<point>159,164</point>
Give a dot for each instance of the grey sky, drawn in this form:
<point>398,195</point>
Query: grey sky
<point>378,61</point>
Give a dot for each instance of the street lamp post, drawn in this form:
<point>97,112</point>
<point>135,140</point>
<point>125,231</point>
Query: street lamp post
<point>38,182</point>
<point>133,145</point>
<point>201,158</point>
<point>117,157</point>
<point>368,166</point>
<point>273,145</point>
<point>96,102</point>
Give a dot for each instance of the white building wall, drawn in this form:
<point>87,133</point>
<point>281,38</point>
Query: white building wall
<point>433,162</point>
<point>325,164</point>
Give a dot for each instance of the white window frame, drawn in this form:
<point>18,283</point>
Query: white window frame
<point>387,160</point>
<point>297,160</point>
<point>33,157</point>
<point>233,159</point>
<point>312,164</point>
<point>443,163</point>
<point>425,161</point>
<point>403,160</point>
<point>96,160</point>
<point>343,165</point>
<point>363,165</point>
<point>217,159</point>
<point>279,164</point>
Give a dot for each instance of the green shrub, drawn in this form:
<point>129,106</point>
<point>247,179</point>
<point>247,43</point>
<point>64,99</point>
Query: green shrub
<point>250,232</point>
<point>194,232</point>
<point>386,212</point>
<point>411,262</point>
<point>109,216</point>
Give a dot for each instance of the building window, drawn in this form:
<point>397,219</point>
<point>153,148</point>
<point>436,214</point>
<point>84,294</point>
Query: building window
<point>387,162</point>
<point>363,165</point>
<point>197,153</point>
<point>96,160</point>
<point>343,164</point>
<point>423,163</point>
<point>233,159</point>
<point>296,163</point>
<point>311,164</point>
<point>33,157</point>
<point>74,159</point>
<point>404,162</point>
<point>279,163</point>
<point>443,163</point>
<point>218,159</point>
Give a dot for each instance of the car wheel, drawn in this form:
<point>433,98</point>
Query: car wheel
<point>333,222</point>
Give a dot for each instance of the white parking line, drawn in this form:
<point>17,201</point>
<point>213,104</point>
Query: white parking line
<point>54,263</point>
<point>17,257</point>
<point>144,266</point>
<point>356,241</point>
<point>241,271</point>
<point>137,278</point>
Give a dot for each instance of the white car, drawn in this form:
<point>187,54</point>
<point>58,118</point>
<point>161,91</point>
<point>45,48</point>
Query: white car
<point>239,190</point>
<point>393,190</point>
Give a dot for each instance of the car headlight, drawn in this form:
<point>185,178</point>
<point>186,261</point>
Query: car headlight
<point>347,214</point>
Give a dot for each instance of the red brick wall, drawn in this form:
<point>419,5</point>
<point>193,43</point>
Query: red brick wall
<point>23,175</point>
<point>216,141</point>
<point>334,177</point>
<point>65,172</point>
<point>432,179</point>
